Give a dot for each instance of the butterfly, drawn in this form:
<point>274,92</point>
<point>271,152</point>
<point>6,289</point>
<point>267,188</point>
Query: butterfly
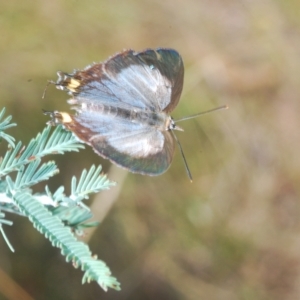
<point>122,108</point>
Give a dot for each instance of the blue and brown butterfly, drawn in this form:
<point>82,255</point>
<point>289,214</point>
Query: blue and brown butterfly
<point>123,107</point>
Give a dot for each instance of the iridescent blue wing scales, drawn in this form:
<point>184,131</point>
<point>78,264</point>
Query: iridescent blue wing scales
<point>151,80</point>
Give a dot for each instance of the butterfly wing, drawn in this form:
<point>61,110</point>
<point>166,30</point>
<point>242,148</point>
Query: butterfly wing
<point>169,65</point>
<point>130,145</point>
<point>151,80</point>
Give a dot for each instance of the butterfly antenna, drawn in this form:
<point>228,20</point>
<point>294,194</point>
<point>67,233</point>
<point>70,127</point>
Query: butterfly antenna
<point>201,113</point>
<point>184,159</point>
<point>46,87</point>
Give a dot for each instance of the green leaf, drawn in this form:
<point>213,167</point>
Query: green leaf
<point>89,182</point>
<point>59,142</point>
<point>61,236</point>
<point>5,124</point>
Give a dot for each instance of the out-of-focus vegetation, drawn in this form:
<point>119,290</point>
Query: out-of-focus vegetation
<point>231,234</point>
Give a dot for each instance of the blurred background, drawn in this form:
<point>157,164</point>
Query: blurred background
<point>231,234</point>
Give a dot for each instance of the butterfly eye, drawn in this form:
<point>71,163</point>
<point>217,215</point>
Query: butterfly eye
<point>172,125</point>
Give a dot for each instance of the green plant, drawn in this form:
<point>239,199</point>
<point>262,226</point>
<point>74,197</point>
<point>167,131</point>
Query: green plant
<point>57,216</point>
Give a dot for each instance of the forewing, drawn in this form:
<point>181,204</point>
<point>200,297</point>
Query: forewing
<point>151,80</point>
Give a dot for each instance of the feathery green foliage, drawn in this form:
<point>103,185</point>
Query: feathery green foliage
<point>59,142</point>
<point>5,124</point>
<point>62,237</point>
<point>56,215</point>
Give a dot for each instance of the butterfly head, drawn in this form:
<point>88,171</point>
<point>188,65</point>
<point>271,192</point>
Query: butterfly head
<point>172,125</point>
